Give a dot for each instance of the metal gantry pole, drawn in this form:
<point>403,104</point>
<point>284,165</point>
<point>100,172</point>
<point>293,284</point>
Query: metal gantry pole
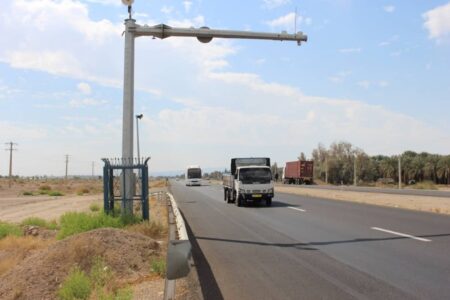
<point>400,172</point>
<point>128,114</point>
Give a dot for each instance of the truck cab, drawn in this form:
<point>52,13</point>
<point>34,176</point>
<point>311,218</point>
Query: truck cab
<point>254,183</point>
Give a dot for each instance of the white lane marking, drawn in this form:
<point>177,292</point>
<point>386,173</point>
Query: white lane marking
<point>296,208</point>
<point>402,234</point>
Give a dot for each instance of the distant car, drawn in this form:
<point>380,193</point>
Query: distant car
<point>412,181</point>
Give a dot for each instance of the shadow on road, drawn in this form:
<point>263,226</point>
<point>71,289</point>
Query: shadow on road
<point>275,203</point>
<point>301,246</point>
<point>306,246</point>
<point>208,283</point>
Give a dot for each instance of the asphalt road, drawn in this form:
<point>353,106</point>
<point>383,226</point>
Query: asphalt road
<point>309,248</point>
<point>413,192</point>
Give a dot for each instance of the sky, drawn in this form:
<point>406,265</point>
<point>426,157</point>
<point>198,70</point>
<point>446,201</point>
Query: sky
<point>373,73</point>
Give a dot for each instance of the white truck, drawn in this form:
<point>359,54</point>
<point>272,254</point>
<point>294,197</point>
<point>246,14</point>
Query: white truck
<point>250,180</point>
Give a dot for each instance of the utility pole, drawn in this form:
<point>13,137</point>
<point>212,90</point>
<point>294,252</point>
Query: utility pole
<point>354,171</point>
<point>162,31</point>
<point>400,172</point>
<point>10,149</point>
<point>93,163</point>
<point>67,164</point>
<point>326,169</point>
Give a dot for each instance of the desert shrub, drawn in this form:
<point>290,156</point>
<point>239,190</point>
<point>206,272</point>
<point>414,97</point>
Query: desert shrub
<point>158,266</point>
<point>425,185</point>
<point>27,193</point>
<point>45,187</point>
<point>151,229</point>
<point>34,221</point>
<point>100,274</point>
<point>77,222</point>
<point>77,285</point>
<point>7,229</point>
<point>55,193</point>
<point>94,207</point>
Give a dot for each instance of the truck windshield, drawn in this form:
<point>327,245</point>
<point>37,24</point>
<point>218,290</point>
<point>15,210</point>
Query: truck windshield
<point>194,173</point>
<point>255,175</point>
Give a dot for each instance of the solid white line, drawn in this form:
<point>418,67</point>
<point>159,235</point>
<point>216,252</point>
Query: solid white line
<point>296,208</point>
<point>401,234</point>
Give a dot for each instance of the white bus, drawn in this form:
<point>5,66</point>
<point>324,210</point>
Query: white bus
<point>193,175</point>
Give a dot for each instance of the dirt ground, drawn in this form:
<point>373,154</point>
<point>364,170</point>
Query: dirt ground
<point>39,275</point>
<point>422,203</point>
<point>36,266</point>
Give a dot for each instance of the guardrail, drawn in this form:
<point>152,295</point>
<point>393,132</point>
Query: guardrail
<point>179,253</point>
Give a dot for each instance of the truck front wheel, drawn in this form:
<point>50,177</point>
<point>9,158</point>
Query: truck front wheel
<point>239,200</point>
<point>269,202</point>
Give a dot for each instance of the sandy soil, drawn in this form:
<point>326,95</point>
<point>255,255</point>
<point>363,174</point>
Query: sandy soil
<point>421,203</point>
<point>15,209</point>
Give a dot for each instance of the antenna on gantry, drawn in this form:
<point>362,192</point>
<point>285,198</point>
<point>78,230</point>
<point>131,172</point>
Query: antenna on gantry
<point>128,3</point>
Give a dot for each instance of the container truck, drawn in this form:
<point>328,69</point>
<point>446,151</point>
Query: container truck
<point>250,179</point>
<point>298,172</point>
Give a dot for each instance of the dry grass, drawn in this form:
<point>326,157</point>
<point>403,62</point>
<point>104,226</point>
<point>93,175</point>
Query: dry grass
<point>158,183</point>
<point>15,249</point>
<point>152,229</point>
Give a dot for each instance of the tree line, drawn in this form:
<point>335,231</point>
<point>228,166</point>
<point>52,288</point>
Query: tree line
<point>341,160</point>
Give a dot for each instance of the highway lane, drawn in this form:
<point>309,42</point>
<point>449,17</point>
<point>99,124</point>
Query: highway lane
<point>412,192</point>
<point>303,248</point>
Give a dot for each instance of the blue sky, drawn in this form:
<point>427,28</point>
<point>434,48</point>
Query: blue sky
<point>374,73</point>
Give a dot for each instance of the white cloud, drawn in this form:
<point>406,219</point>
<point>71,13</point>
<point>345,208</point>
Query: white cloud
<point>187,6</point>
<point>167,9</point>
<point>350,50</point>
<point>84,88</point>
<point>437,22</point>
<point>383,83</point>
<point>260,61</point>
<point>364,83</point>
<point>367,84</point>
<point>19,131</point>
<point>287,22</point>
<point>389,8</point>
<point>389,41</point>
<point>340,77</point>
<point>396,53</point>
<point>270,4</point>
<point>86,102</point>
<point>106,2</point>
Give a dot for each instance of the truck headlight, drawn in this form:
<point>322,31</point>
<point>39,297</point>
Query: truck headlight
<point>271,191</point>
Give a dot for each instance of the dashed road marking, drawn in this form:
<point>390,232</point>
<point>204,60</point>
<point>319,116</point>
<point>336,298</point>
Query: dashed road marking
<point>402,234</point>
<point>299,209</point>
